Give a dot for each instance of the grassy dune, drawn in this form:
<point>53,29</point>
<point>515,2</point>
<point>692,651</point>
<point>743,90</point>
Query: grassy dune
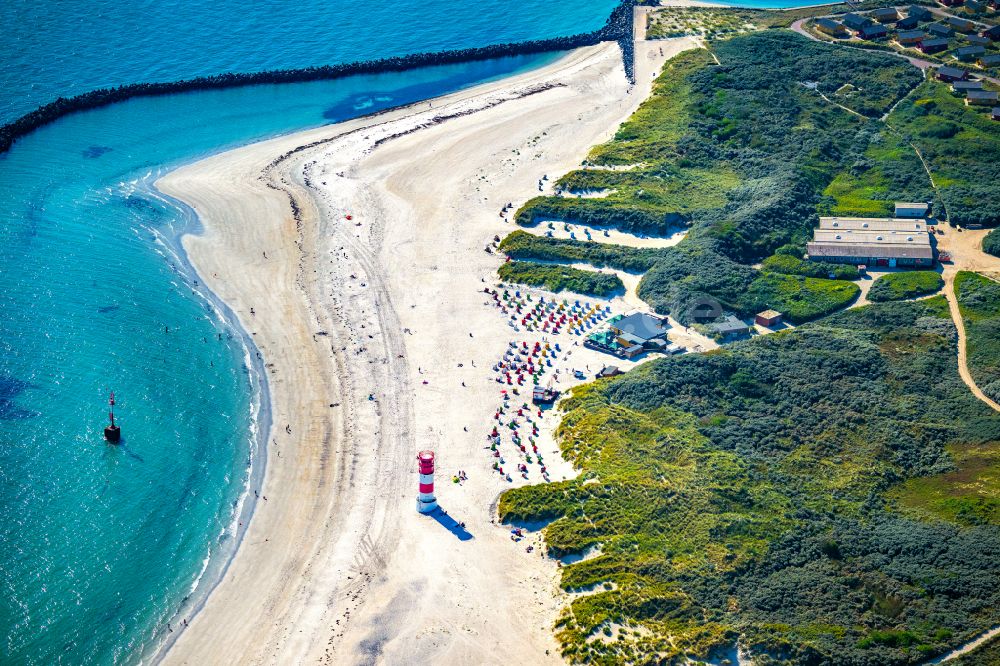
<point>750,492</point>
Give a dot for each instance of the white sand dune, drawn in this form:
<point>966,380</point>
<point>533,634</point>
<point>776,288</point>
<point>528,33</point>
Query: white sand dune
<point>369,327</point>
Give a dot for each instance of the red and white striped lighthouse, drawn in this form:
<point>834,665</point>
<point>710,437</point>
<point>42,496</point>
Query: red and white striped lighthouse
<point>426,502</point>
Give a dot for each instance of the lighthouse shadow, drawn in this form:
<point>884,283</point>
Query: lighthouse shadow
<point>451,525</point>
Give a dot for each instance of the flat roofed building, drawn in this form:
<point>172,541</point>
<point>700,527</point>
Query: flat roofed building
<point>872,224</point>
<point>872,254</point>
<point>911,209</point>
<point>850,237</point>
<point>730,327</point>
<point>872,241</point>
<point>768,318</point>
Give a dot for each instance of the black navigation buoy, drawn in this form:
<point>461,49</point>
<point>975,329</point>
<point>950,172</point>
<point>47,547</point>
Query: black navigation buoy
<point>112,433</point>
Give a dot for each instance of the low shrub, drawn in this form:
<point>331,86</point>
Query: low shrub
<point>559,278</point>
<point>900,286</point>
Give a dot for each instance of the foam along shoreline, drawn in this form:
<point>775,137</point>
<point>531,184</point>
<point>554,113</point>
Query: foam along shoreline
<point>223,548</point>
<point>352,254</point>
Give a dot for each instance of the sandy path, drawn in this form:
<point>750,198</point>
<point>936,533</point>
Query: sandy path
<point>967,255</point>
<point>363,324</point>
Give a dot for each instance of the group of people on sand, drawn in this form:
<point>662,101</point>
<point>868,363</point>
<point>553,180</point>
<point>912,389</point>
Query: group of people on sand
<point>527,364</point>
<point>538,314</point>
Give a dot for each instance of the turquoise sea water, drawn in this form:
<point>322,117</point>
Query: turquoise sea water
<point>102,546</point>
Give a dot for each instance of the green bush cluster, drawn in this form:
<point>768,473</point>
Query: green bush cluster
<point>747,492</point>
<point>773,146</point>
<point>561,278</point>
<point>523,245</point>
<point>991,243</point>
<point>908,284</point>
<point>790,265</point>
<point>962,148</point>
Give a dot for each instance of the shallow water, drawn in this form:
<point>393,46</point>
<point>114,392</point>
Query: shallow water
<point>101,544</point>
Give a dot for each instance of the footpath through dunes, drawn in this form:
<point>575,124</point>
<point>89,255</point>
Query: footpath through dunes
<point>354,255</point>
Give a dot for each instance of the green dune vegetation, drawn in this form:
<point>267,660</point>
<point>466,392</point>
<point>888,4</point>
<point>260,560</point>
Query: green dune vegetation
<point>761,491</point>
<point>561,278</point>
<point>908,284</point>
<point>888,170</point>
<point>960,145</point>
<point>761,145</point>
<point>991,243</point>
<point>979,302</point>
<point>825,495</point>
<point>962,148</point>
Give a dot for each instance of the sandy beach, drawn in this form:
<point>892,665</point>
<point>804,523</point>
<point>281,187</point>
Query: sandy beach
<point>354,255</point>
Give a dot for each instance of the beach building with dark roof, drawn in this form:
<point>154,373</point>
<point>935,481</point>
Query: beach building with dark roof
<point>873,31</point>
<point>969,53</point>
<point>910,37</point>
<point>951,74</point>
<point>831,27</point>
<point>912,210</point>
<point>919,13</point>
<point>976,39</point>
<point>886,15</point>
<point>641,327</point>
<point>907,23</point>
<point>940,30</point>
<point>629,336</point>
<point>872,241</point>
<point>991,60</point>
<point>730,328</point>
<point>855,21</point>
<point>951,3</point>
<point>992,33</point>
<point>935,45</point>
<point>981,98</point>
<point>995,113</point>
<point>975,6</point>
